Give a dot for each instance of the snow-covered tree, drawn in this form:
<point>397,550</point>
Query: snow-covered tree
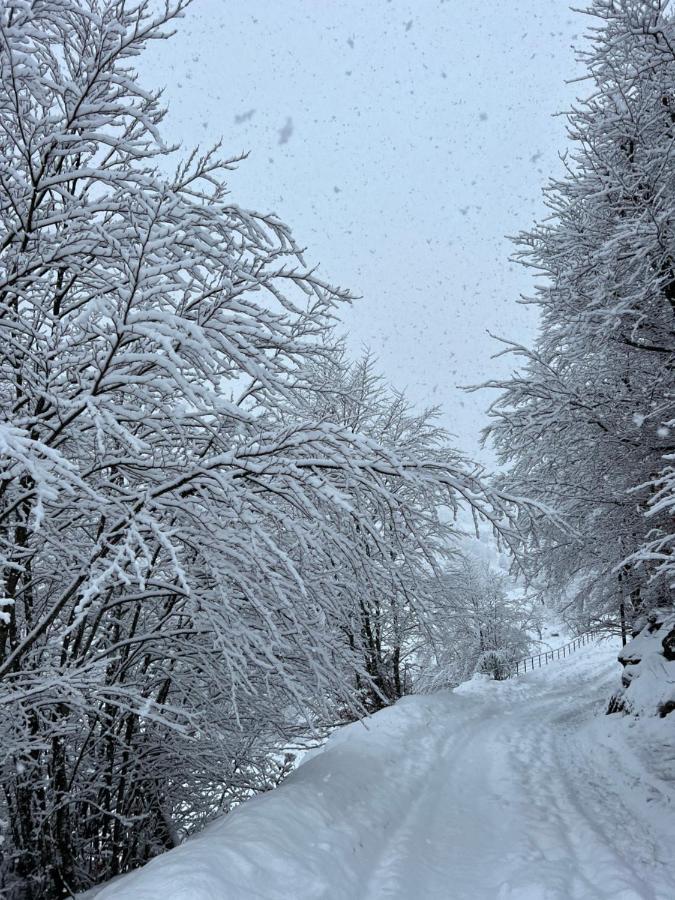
<point>586,425</point>
<point>480,624</point>
<point>180,556</point>
<point>395,594</point>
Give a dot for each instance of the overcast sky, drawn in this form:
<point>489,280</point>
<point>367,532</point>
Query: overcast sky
<point>401,141</point>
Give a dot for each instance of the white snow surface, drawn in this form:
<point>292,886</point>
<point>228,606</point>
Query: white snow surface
<point>520,789</point>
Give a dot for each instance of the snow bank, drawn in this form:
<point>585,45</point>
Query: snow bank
<point>315,835</point>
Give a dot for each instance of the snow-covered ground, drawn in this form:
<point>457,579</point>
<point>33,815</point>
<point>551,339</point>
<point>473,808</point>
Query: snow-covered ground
<point>520,789</point>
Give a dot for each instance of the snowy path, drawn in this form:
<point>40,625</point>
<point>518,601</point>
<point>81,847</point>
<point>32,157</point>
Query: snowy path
<point>521,803</point>
<point>513,790</point>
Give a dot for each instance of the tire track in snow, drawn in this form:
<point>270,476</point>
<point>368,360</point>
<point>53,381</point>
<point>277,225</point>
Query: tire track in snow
<point>389,871</point>
<point>576,852</point>
<point>519,803</point>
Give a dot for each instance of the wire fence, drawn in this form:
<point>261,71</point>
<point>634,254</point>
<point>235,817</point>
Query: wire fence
<point>537,660</point>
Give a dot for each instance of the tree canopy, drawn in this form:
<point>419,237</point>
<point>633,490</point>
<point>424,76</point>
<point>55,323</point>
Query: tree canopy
<point>586,425</point>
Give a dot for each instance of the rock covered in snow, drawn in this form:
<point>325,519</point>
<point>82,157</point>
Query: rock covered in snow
<point>648,679</point>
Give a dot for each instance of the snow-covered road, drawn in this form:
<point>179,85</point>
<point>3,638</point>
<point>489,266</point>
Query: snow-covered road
<point>524,800</point>
<point>513,790</point>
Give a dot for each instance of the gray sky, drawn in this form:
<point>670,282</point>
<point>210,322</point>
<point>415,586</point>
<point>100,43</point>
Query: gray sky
<point>401,141</point>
